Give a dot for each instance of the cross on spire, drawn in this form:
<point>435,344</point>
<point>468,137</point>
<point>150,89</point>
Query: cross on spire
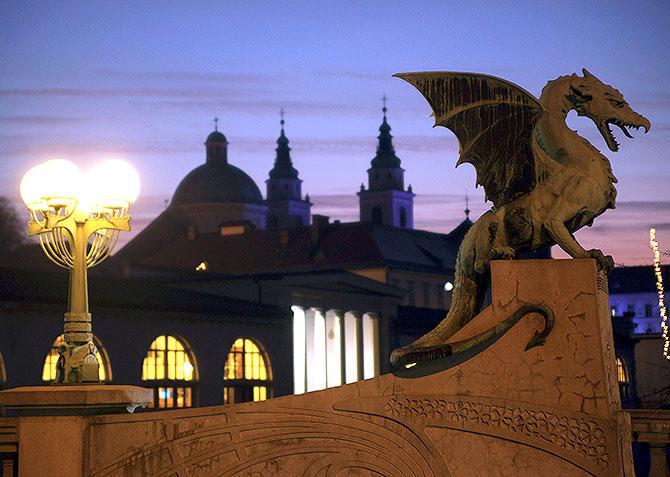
<point>384,98</point>
<point>467,208</point>
<point>216,124</point>
<point>281,115</point>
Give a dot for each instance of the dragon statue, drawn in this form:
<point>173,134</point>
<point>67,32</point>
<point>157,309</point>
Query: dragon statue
<point>544,180</point>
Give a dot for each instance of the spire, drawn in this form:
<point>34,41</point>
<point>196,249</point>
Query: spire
<point>283,167</point>
<point>467,208</point>
<point>216,124</point>
<point>385,151</point>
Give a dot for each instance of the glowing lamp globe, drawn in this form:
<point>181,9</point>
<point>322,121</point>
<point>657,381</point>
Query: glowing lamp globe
<point>50,183</point>
<point>112,183</point>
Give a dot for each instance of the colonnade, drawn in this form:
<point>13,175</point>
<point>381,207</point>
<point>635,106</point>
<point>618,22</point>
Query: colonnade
<point>333,347</point>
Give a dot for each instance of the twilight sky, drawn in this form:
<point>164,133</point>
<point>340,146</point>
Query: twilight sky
<point>143,80</point>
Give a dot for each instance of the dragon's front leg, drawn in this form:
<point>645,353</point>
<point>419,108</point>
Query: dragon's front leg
<point>569,204</point>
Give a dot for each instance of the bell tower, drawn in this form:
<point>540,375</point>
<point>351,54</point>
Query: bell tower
<point>286,206</point>
<point>385,201</point>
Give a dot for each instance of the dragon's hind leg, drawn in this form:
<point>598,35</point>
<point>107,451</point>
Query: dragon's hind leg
<point>463,308</point>
<point>472,271</point>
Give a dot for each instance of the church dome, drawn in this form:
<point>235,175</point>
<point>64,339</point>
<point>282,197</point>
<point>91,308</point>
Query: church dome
<point>216,136</point>
<point>216,182</point>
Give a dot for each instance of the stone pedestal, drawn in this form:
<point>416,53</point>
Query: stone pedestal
<point>50,430</point>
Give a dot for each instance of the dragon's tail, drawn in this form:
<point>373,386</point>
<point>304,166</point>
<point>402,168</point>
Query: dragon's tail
<point>464,304</point>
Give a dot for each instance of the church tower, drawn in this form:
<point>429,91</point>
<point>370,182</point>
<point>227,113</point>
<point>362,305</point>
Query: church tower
<point>286,207</point>
<point>386,201</point>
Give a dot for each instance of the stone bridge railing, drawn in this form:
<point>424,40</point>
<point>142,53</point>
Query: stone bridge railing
<point>652,427</point>
<point>550,410</point>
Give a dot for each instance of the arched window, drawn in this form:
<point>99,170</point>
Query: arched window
<point>247,374</point>
<point>377,215</point>
<point>3,373</point>
<point>622,378</point>
<point>170,366</point>
<point>49,367</point>
<point>403,217</point>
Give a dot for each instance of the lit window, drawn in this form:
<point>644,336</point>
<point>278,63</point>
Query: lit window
<point>621,374</point>
<point>247,374</point>
<point>49,367</point>
<point>622,378</point>
<point>169,363</point>
<point>201,267</point>
<point>613,311</point>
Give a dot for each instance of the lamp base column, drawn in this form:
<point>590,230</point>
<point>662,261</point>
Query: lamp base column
<point>78,363</point>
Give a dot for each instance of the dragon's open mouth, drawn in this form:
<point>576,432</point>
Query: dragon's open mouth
<point>607,133</point>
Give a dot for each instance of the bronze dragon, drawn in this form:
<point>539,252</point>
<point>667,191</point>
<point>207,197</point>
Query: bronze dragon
<point>544,180</point>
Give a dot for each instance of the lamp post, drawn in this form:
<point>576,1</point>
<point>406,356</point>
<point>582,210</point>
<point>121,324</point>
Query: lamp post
<point>78,218</point>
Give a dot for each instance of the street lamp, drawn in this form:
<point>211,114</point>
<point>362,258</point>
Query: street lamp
<point>78,218</point>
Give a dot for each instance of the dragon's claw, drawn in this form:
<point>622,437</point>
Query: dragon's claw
<point>502,253</point>
<point>605,262</point>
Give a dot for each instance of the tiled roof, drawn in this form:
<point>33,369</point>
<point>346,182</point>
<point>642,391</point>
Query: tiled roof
<point>165,244</point>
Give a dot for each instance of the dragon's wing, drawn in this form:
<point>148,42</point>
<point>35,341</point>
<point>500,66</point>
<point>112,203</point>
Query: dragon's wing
<point>493,120</point>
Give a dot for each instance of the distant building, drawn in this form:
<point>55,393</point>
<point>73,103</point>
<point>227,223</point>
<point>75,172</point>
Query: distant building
<point>633,290</point>
<point>642,371</point>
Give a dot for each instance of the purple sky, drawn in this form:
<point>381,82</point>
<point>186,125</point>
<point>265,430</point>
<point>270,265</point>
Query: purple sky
<point>142,81</point>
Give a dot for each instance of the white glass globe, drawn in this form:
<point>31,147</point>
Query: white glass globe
<point>112,183</point>
<point>54,179</point>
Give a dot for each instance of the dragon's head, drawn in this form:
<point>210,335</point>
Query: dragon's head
<point>605,106</point>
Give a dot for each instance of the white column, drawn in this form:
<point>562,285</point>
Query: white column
<point>351,347</point>
<point>299,350</point>
<point>309,349</point>
<point>316,350</point>
<point>333,356</point>
<point>343,348</point>
<point>370,345</point>
<point>358,323</point>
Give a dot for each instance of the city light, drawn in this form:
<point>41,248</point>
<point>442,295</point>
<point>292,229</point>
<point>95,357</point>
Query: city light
<point>659,289</point>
